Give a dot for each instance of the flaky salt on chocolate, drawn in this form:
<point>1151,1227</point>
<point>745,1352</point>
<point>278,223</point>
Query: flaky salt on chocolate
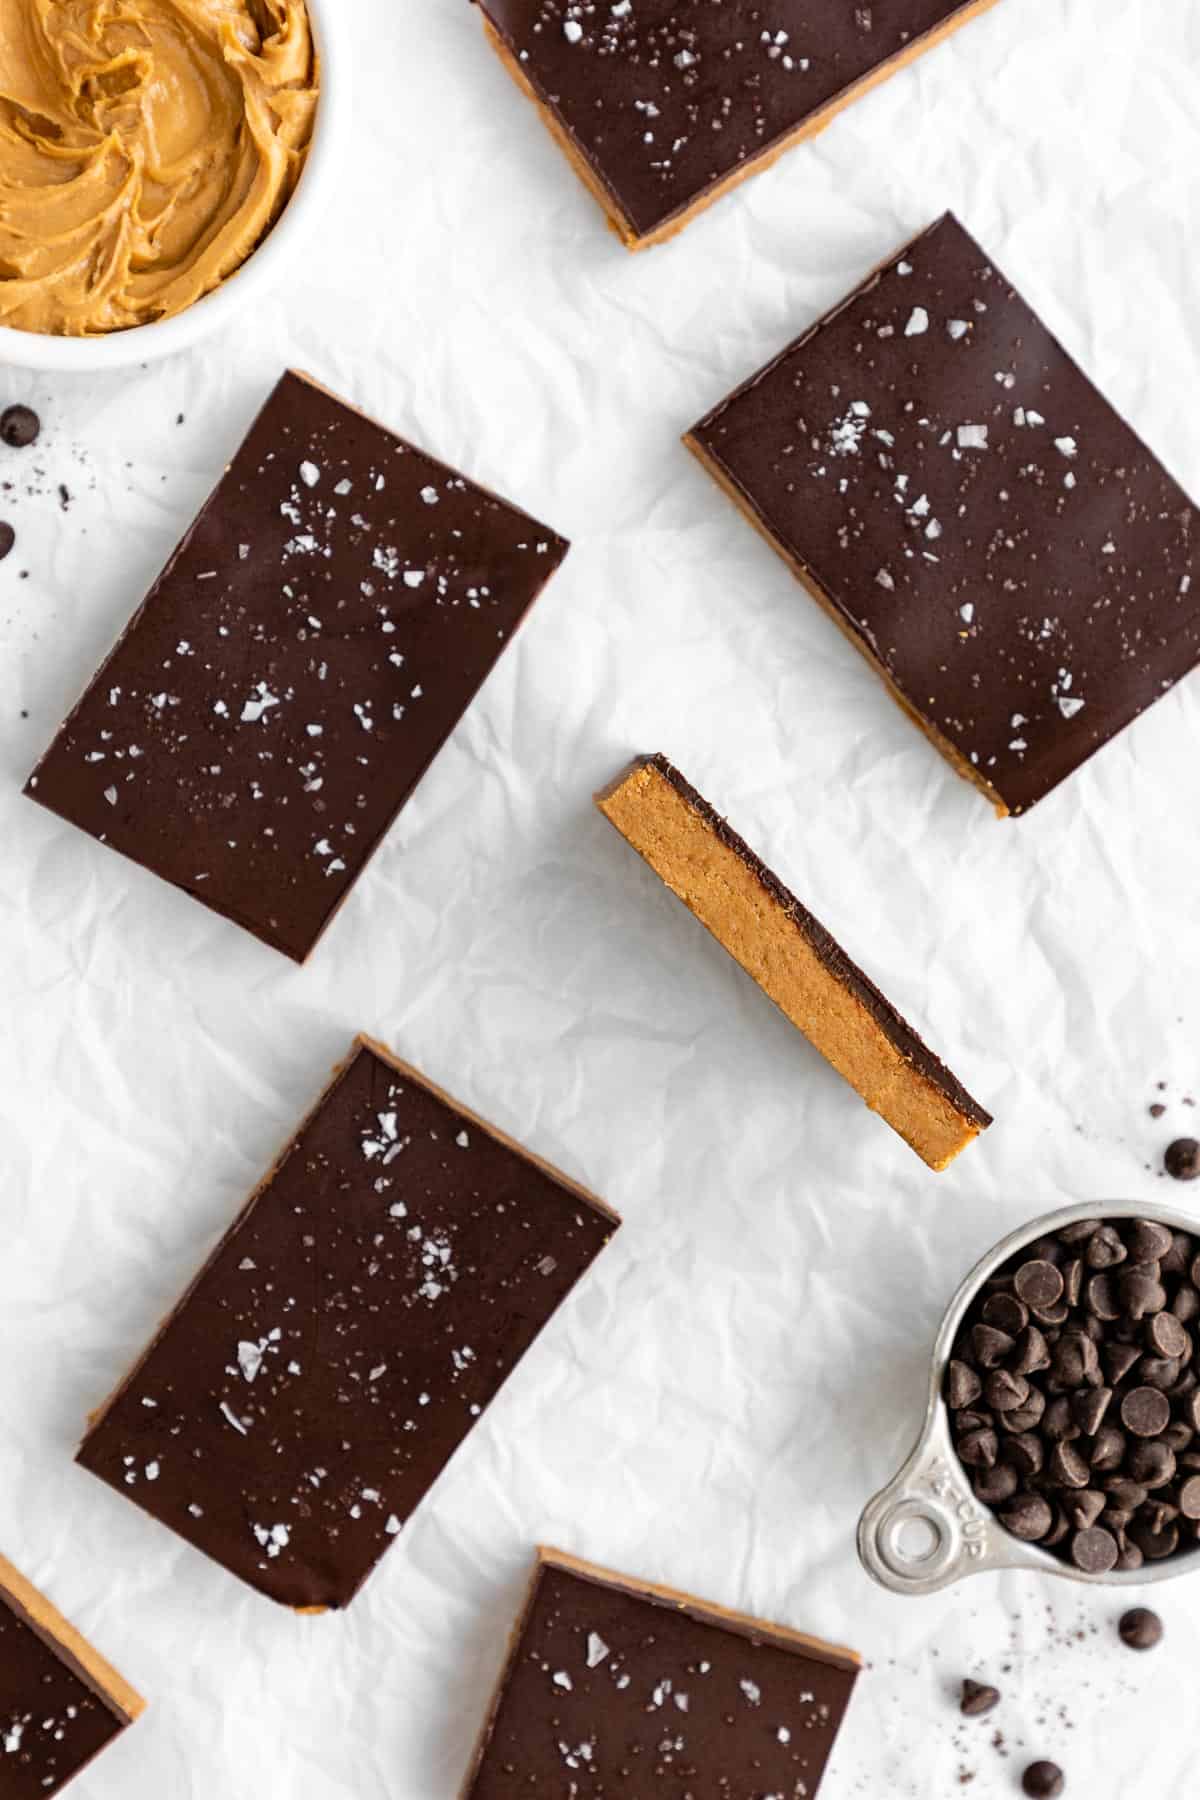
<point>792,957</point>
<point>662,106</point>
<point>60,1703</point>
<point>297,666</point>
<point>619,1687</point>
<point>973,513</point>
<point>345,1335</point>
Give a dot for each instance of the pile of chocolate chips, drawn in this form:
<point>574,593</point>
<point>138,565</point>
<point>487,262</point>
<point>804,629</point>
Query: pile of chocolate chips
<point>1074,1395</point>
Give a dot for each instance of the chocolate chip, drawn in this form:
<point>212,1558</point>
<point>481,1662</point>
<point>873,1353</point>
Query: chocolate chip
<point>989,1345</point>
<point>1043,1781</point>
<point>1141,1293</point>
<point>1047,1249</point>
<point>1025,1453</point>
<point>1027,1417</point>
<point>8,538</point>
<point>1080,1232</point>
<point>1039,1284</point>
<point>1089,1406</point>
<point>1105,1249</point>
<point>1189,1498</point>
<point>1108,1448</point>
<point>1186,1304</point>
<point>1176,1260</point>
<point>1182,1159</point>
<point>1123,1493</point>
<point>1166,1336</point>
<point>1004,1391</point>
<point>962,1385</point>
<point>1058,1424</point>
<point>1075,1359</point>
<point>1006,1313</point>
<point>977,1699</point>
<point>1118,1359</point>
<point>1156,1109</point>
<point>992,1486</point>
<point>1067,1468</point>
<point>1094,1550</point>
<point>1140,1628</point>
<point>1072,1275</point>
<point>1028,1517</point>
<point>1151,1464</point>
<point>1058,1530</point>
<point>1103,1298</point>
<point>1130,1558</point>
<point>1178,1435</point>
<point>1085,1508</point>
<point>19,427</point>
<point>1032,1352</point>
<point>1155,1545</point>
<point>1159,1372</point>
<point>979,1449</point>
<point>1146,1241</point>
<point>1145,1411</point>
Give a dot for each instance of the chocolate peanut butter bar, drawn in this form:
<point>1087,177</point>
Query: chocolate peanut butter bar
<point>297,666</point>
<point>664,105</point>
<point>345,1335</point>
<point>60,1703</point>
<point>976,517</point>
<point>793,959</point>
<point>615,1686</point>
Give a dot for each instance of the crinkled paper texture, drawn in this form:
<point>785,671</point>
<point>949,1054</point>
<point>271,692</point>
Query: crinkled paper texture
<point>746,1364</point>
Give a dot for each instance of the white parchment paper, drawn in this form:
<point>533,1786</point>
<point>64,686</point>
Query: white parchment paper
<point>746,1364</point>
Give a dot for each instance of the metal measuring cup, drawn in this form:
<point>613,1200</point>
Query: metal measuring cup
<point>926,1529</point>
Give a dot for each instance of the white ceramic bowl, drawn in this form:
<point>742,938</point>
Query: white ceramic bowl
<point>261,270</point>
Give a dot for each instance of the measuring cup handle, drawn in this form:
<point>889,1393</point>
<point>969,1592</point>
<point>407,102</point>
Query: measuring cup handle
<point>926,1529</point>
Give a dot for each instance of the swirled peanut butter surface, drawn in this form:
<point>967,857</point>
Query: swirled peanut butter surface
<point>146,147</point>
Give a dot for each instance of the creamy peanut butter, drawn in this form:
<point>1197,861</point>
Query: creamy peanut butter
<point>146,147</point>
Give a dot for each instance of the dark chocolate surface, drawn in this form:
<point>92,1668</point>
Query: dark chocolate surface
<point>892,1023</point>
<point>611,1692</point>
<point>665,99</point>
<point>993,534</point>
<point>311,644</point>
<point>344,1337</point>
<point>52,1720</point>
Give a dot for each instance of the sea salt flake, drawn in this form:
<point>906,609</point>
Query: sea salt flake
<point>573,32</point>
<point>309,474</point>
<point>972,437</point>
<point>918,323</point>
<point>597,1650</point>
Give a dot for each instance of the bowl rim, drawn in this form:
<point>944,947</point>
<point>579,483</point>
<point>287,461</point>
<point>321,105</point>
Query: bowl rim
<point>42,351</point>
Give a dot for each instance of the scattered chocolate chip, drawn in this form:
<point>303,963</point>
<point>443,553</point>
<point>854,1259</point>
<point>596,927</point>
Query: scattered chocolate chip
<point>1182,1159</point>
<point>977,1699</point>
<point>8,538</point>
<point>1157,1109</point>
<point>1145,1411</point>
<point>19,427</point>
<point>1043,1781</point>
<point>1028,1517</point>
<point>1140,1628</point>
<point>1094,1551</point>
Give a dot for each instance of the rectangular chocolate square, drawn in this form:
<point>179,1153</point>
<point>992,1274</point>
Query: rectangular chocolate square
<point>794,960</point>
<point>296,667</point>
<point>621,1687</point>
<point>369,1302</point>
<point>664,105</point>
<point>60,1702</point>
<point>973,513</point>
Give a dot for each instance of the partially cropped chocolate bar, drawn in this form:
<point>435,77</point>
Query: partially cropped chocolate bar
<point>296,667</point>
<point>662,106</point>
<point>60,1703</point>
<point>974,515</point>
<point>345,1335</point>
<point>621,1687</point>
<point>792,957</point>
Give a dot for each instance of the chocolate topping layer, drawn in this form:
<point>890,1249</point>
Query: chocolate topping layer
<point>615,1687</point>
<point>893,1024</point>
<point>53,1718</point>
<point>975,514</point>
<point>343,1338</point>
<point>665,100</point>
<point>305,654</point>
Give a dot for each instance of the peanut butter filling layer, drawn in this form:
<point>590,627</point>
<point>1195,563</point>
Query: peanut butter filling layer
<point>793,959</point>
<point>146,148</point>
